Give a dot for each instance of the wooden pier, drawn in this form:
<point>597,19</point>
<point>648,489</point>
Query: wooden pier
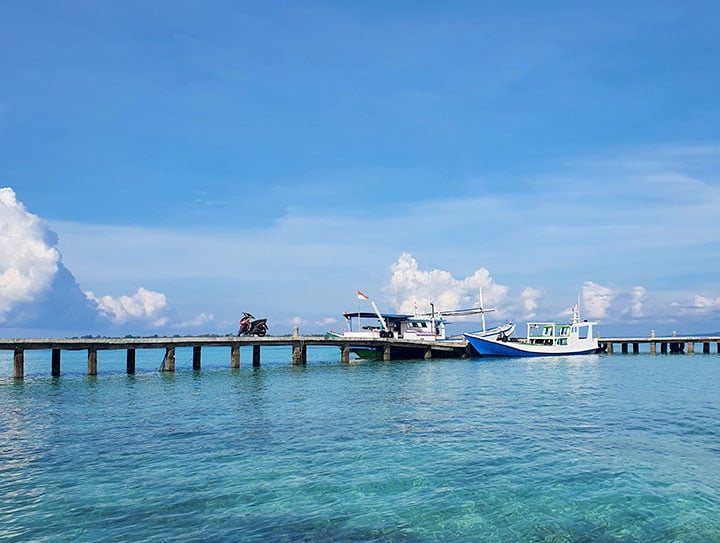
<point>665,344</point>
<point>299,344</point>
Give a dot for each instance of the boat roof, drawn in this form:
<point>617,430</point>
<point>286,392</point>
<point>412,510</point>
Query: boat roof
<point>388,316</point>
<point>548,323</point>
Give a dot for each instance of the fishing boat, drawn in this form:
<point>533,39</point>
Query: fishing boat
<point>424,327</point>
<point>543,339</point>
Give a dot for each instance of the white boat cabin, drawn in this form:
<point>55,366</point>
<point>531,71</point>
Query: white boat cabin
<point>549,333</point>
<point>393,325</point>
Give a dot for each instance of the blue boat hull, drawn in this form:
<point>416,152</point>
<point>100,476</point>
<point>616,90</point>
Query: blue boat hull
<point>513,349</point>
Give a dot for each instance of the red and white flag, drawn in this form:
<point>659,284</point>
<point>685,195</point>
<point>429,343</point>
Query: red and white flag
<point>362,296</point>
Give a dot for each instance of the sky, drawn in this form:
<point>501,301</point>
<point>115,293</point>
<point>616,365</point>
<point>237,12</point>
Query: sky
<point>166,166</point>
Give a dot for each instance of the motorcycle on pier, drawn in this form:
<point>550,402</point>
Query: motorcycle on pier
<point>249,326</point>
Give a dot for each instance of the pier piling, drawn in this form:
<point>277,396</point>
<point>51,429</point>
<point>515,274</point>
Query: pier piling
<point>299,354</point>
<point>197,357</point>
<point>235,356</point>
<point>55,370</point>
<point>130,362</point>
<point>169,360</point>
<point>92,361</point>
<point>19,364</point>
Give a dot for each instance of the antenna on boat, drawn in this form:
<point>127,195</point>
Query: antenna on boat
<point>576,310</point>
<point>482,309</point>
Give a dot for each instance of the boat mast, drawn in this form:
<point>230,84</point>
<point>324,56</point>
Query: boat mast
<point>482,309</point>
<point>380,317</point>
<point>576,311</point>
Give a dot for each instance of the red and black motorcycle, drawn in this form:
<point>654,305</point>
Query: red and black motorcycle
<point>250,327</point>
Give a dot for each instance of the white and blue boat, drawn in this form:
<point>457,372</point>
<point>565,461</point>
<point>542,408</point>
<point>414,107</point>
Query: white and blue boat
<point>543,339</point>
<point>424,327</point>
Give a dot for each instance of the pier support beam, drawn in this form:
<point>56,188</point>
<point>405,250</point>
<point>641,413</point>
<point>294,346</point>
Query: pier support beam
<point>609,349</point>
<point>706,348</point>
<point>345,354</point>
<point>256,356</point>
<point>624,348</point>
<point>691,347</point>
<point>169,360</point>
<point>299,354</point>
<point>197,357</point>
<point>55,371</point>
<point>653,348</point>
<point>387,353</point>
<point>92,361</point>
<point>130,362</point>
<point>19,364</point>
<point>663,347</point>
<point>234,356</point>
<point>428,353</point>
<point>636,348</point>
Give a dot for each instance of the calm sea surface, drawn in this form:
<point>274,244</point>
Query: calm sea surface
<point>596,448</point>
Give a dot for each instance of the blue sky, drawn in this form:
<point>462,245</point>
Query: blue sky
<point>169,165</point>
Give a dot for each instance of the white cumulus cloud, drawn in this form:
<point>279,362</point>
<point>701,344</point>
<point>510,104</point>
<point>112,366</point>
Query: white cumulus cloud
<point>596,300</point>
<point>637,304</point>
<point>202,318</point>
<point>145,305</point>
<point>413,288</point>
<point>28,257</point>
<point>529,299</point>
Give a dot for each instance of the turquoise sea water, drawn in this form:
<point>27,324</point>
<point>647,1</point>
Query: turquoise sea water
<point>596,448</point>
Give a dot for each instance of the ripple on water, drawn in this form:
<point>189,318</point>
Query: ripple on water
<point>589,449</point>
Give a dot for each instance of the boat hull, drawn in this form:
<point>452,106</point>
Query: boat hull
<point>492,347</point>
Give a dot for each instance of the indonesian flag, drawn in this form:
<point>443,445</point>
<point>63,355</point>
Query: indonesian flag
<point>362,296</point>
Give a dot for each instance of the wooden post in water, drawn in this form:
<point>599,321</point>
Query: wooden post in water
<point>624,347</point>
<point>92,361</point>
<point>299,354</point>
<point>706,348</point>
<point>345,354</point>
<point>19,364</point>
<point>169,361</point>
<point>256,356</point>
<point>609,349</point>
<point>196,357</point>
<point>636,347</point>
<point>691,347</point>
<point>663,347</point>
<point>234,356</point>
<point>55,372</point>
<point>386,353</point>
<point>130,362</point>
<point>428,353</point>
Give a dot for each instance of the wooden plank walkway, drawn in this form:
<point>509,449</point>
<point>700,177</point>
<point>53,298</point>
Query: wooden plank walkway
<point>299,345</point>
<point>454,348</point>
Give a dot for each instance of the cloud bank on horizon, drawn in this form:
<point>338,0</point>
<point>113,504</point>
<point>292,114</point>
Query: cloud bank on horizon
<point>37,291</point>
